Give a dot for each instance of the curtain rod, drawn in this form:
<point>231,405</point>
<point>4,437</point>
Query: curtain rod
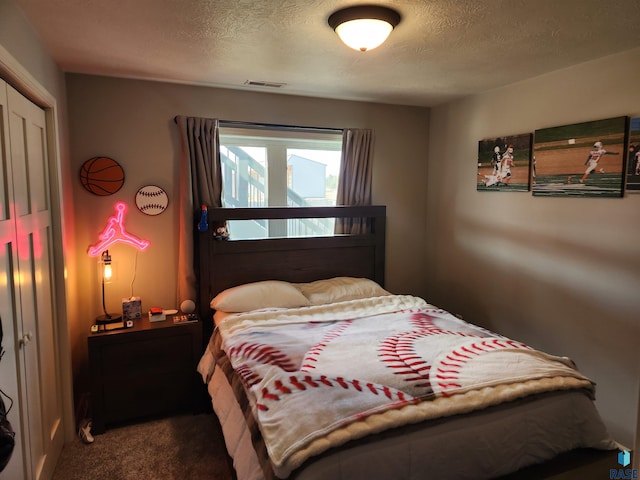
<point>258,126</point>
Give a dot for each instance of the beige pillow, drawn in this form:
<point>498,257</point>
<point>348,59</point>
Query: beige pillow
<point>340,289</point>
<point>257,295</point>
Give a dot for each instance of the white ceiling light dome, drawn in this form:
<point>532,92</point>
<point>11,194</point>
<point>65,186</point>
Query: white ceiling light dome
<point>364,27</point>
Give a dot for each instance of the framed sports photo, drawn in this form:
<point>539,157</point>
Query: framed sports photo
<point>580,160</point>
<point>504,164</point>
<point>633,157</point>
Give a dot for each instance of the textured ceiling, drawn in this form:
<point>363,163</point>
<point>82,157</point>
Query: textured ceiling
<point>441,50</point>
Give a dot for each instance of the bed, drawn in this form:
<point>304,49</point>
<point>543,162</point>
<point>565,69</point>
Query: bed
<point>316,371</point>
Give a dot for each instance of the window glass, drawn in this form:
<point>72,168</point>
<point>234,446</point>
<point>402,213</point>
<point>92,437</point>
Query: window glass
<point>279,168</point>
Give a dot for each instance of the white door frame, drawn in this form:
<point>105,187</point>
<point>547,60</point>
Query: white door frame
<point>15,74</point>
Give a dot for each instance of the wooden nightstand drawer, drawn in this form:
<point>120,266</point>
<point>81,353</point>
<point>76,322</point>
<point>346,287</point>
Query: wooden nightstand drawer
<point>157,394</point>
<point>141,356</point>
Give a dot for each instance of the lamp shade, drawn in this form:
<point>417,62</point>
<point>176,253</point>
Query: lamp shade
<point>364,27</point>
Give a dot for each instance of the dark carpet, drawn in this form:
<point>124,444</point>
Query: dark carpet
<point>188,447</point>
<point>180,447</point>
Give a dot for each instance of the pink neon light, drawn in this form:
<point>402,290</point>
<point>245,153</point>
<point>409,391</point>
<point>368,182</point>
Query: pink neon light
<point>115,232</point>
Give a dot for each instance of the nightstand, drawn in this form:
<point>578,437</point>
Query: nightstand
<point>144,371</point>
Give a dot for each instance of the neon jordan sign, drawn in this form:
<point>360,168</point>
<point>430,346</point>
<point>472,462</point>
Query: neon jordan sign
<point>115,232</point>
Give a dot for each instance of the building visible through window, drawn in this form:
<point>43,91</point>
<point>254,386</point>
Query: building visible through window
<point>279,167</point>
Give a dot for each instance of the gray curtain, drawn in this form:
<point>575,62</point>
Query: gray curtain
<point>354,181</point>
<point>200,183</point>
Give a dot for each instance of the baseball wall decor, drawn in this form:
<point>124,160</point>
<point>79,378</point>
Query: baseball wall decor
<point>633,157</point>
<point>582,159</point>
<point>504,163</point>
<point>152,200</point>
<point>102,176</point>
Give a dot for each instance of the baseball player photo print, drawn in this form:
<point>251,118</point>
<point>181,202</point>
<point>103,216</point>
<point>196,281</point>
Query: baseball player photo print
<point>633,157</point>
<point>581,160</point>
<point>504,164</point>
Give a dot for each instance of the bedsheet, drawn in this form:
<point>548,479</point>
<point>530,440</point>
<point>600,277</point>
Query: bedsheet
<point>425,364</point>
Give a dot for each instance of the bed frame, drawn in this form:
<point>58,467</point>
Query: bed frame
<point>222,264</point>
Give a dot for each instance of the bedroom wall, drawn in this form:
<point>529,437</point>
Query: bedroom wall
<point>561,274</point>
<point>132,122</point>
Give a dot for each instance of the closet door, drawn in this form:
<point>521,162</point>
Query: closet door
<point>9,312</point>
<point>31,261</point>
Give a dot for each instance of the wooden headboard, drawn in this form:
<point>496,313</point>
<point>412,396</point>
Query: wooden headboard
<point>222,264</point>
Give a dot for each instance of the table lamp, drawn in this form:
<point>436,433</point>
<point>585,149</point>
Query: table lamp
<point>106,274</point>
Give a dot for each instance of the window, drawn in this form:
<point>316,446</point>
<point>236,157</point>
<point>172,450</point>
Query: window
<point>279,167</point>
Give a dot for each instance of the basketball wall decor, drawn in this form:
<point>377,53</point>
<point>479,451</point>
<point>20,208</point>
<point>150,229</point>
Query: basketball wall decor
<point>152,200</point>
<point>102,176</point>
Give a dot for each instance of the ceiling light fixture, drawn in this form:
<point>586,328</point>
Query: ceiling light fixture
<point>364,27</point>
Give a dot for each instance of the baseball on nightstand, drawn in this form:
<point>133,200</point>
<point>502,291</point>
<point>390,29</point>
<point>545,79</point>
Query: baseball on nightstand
<point>188,306</point>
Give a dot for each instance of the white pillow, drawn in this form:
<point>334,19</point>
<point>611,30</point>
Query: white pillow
<point>257,295</point>
<point>340,289</point>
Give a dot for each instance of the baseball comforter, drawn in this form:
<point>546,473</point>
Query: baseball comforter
<point>319,377</point>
